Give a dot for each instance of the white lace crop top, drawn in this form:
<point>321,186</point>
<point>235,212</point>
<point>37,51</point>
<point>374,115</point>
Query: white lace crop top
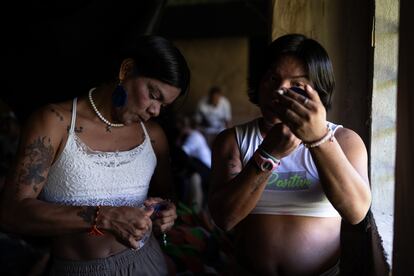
<point>83,176</point>
<point>294,188</point>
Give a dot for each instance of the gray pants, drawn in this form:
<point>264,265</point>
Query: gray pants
<point>149,260</point>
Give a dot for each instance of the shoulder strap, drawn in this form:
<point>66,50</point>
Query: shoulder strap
<point>145,130</point>
<point>334,127</point>
<point>73,121</point>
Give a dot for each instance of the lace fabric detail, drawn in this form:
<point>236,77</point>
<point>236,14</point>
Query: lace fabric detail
<point>131,201</point>
<point>108,159</point>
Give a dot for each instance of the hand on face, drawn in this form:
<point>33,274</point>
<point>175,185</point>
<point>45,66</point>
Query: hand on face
<point>305,117</point>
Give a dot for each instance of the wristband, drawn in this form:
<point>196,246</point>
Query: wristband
<point>265,164</point>
<point>268,155</point>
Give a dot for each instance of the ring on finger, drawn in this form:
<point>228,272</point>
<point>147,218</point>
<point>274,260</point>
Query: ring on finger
<point>305,102</point>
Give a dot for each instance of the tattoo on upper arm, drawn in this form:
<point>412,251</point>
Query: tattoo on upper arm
<point>57,114</point>
<point>233,170</point>
<point>87,214</point>
<point>232,166</point>
<point>38,157</point>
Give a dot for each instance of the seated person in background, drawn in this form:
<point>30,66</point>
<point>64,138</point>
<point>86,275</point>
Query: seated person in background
<point>284,181</point>
<point>195,162</point>
<point>213,113</point>
<point>192,141</point>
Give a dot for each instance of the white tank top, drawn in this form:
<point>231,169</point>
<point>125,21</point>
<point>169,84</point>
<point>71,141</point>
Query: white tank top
<point>83,176</point>
<point>294,188</point>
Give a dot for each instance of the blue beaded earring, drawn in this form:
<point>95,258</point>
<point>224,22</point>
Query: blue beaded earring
<point>119,96</point>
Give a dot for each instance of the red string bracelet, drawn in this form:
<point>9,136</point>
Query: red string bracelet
<point>94,230</point>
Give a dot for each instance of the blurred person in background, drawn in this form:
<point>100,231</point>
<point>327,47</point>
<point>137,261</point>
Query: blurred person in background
<point>213,113</point>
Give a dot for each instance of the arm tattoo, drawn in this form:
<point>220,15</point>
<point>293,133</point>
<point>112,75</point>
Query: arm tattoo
<point>87,214</point>
<point>258,182</point>
<point>38,156</point>
<point>231,165</point>
<point>57,114</point>
<point>233,171</point>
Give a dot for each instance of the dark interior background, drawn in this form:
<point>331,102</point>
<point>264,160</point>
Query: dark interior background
<point>54,50</point>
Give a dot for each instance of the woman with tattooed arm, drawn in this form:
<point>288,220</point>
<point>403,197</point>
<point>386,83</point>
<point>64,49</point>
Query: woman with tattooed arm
<point>86,167</point>
<point>284,181</point>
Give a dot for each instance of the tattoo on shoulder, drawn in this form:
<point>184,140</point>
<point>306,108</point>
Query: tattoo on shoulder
<point>38,156</point>
<point>77,129</point>
<point>87,214</point>
<point>57,114</point>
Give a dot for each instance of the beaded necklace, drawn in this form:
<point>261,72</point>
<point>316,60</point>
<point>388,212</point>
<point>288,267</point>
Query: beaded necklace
<point>100,116</point>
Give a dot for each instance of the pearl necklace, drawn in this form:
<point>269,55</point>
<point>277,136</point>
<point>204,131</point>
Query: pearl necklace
<point>99,113</point>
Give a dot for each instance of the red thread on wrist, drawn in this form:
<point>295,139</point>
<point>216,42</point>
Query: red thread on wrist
<point>94,230</point>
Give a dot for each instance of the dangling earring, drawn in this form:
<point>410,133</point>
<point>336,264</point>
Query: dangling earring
<point>119,96</point>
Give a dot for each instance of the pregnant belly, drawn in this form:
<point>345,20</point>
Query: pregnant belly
<point>288,245</point>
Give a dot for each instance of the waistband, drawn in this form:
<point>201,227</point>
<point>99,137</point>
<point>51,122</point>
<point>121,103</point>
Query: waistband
<point>121,259</point>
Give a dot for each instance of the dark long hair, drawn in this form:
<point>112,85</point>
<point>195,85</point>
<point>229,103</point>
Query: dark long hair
<point>313,55</point>
<point>155,57</point>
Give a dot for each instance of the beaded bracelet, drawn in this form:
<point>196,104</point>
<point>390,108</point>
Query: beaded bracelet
<point>327,137</point>
<point>94,230</point>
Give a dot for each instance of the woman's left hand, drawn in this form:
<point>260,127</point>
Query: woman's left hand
<point>305,117</point>
<point>163,218</point>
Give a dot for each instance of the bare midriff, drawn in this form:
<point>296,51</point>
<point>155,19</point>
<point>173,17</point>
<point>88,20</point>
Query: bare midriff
<point>81,247</point>
<point>287,245</point>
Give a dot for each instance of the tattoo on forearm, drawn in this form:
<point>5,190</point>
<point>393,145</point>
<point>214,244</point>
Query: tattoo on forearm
<point>87,214</point>
<point>57,114</point>
<point>258,182</point>
<point>38,156</point>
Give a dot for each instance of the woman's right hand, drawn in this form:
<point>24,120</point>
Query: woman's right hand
<point>280,141</point>
<point>128,224</point>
